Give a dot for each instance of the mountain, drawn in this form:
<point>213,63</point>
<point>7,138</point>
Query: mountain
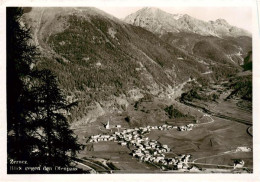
<point>227,49</point>
<point>215,40</point>
<point>160,22</point>
<point>106,64</point>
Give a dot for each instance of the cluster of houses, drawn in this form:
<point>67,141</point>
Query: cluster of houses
<point>162,127</point>
<point>129,135</point>
<point>146,150</point>
<point>187,127</point>
<point>243,149</point>
<point>156,155</point>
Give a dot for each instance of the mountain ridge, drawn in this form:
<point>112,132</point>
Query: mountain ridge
<point>151,17</point>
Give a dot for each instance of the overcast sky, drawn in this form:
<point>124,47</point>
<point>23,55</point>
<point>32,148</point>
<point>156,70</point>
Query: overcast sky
<point>237,16</point>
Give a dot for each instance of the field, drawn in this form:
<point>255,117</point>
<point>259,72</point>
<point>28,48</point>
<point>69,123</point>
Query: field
<point>205,140</point>
<point>119,156</point>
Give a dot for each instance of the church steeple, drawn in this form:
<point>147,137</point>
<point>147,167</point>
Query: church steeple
<point>107,125</point>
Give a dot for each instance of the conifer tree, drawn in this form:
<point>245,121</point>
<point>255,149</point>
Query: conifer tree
<point>58,142</point>
<point>20,56</point>
<point>38,131</point>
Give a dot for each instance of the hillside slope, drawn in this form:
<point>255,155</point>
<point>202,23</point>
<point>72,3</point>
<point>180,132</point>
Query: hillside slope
<point>105,63</point>
<point>226,49</point>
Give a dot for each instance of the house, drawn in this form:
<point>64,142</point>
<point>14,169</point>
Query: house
<point>169,127</point>
<point>194,169</point>
<point>190,125</point>
<point>179,165</point>
<point>156,160</point>
<point>123,143</point>
<point>238,164</point>
<point>184,166</point>
<point>165,146</point>
<point>164,163</point>
<point>148,147</point>
<point>146,152</point>
<point>163,150</point>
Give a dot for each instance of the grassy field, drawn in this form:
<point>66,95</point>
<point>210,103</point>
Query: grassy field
<point>120,157</point>
<point>207,140</point>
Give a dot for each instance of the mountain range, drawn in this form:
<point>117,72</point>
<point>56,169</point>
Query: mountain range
<point>106,63</point>
<point>161,22</point>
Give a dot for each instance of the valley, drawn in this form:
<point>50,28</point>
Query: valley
<point>213,142</point>
<point>155,92</point>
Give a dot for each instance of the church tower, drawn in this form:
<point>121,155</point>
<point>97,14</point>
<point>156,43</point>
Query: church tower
<point>107,125</point>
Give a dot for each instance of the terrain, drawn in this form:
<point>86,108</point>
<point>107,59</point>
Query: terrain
<point>105,63</point>
<point>151,69</point>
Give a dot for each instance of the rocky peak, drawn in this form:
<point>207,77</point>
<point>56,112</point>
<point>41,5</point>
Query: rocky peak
<point>222,22</point>
<point>161,22</point>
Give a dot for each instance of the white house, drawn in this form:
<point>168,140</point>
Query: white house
<point>239,164</point>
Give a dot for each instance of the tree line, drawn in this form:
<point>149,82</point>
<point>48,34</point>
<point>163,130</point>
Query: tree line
<point>37,128</point>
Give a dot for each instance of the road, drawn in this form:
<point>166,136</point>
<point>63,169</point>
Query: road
<point>218,165</point>
<point>88,168</point>
<point>100,168</point>
<point>207,164</point>
<point>217,114</point>
<point>223,153</point>
<point>206,115</point>
<point>249,131</point>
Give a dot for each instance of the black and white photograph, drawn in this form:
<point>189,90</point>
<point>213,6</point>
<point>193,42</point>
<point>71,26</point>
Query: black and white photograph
<point>137,89</point>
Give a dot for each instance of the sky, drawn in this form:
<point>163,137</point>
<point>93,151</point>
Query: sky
<point>236,16</point>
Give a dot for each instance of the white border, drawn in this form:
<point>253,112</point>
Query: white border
<point>132,177</point>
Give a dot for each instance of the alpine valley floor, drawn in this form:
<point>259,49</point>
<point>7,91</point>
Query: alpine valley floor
<point>215,142</point>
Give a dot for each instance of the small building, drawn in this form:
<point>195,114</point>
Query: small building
<point>179,165</point>
<point>238,164</point>
<point>123,143</point>
<point>194,169</point>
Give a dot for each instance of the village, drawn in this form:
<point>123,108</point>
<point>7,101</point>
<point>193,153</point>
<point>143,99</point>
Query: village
<point>146,150</point>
